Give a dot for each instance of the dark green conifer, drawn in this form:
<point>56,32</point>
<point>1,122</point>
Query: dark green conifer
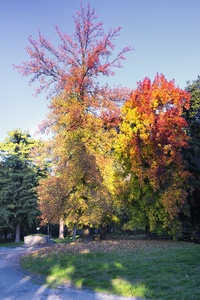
<point>18,179</point>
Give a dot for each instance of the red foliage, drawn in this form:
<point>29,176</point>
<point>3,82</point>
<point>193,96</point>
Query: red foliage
<point>152,135</point>
<point>156,130</point>
<point>79,59</point>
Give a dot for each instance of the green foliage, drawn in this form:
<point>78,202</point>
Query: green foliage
<point>17,143</point>
<point>18,199</point>
<point>191,154</point>
<point>18,179</point>
<point>192,116</point>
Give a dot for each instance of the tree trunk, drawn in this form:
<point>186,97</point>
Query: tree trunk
<point>74,232</point>
<point>17,235</point>
<point>5,232</point>
<point>61,229</point>
<point>148,235</point>
<point>48,228</point>
<point>86,234</point>
<point>103,232</point>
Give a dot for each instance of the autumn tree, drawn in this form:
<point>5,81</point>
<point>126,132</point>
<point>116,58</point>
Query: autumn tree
<point>73,68</point>
<point>77,193</point>
<point>149,146</point>
<point>80,108</point>
<point>18,178</point>
<point>52,196</point>
<point>71,72</point>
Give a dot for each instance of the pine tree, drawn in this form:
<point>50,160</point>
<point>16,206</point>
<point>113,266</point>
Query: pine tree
<point>18,179</point>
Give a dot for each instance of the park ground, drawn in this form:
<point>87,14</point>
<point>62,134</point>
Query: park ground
<point>152,269</point>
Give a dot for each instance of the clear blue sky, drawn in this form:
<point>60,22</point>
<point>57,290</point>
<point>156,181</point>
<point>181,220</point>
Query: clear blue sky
<point>164,33</point>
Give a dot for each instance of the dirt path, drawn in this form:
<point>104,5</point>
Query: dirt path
<point>15,285</point>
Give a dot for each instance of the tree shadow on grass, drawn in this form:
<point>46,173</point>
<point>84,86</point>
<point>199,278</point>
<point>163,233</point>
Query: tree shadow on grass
<point>129,274</point>
<point>100,272</point>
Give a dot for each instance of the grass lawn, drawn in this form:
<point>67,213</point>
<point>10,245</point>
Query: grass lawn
<point>11,242</point>
<point>8,243</point>
<point>149,269</point>
<point>65,240</point>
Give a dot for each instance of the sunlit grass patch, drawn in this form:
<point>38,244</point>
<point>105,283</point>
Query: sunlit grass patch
<point>124,287</point>
<point>65,240</point>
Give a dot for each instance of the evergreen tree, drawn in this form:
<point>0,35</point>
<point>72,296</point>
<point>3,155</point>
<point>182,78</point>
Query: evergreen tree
<point>18,179</point>
<point>191,154</point>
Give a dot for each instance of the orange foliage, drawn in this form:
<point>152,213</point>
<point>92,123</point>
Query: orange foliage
<point>152,134</point>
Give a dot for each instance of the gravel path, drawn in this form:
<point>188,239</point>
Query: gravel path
<point>16,285</point>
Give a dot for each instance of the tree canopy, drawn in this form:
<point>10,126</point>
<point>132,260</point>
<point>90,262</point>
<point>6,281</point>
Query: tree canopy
<point>108,141</point>
<point>149,146</point>
<point>82,116</point>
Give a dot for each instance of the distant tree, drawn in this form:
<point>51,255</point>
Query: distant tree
<point>192,115</point>
<point>149,146</point>
<point>18,178</point>
<point>191,154</point>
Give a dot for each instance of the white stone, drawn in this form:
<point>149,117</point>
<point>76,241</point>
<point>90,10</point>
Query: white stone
<point>36,239</point>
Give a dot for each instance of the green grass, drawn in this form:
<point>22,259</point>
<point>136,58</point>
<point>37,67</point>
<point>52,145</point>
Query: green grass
<point>37,234</point>
<point>65,240</point>
<point>149,269</point>
<point>10,243</point>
